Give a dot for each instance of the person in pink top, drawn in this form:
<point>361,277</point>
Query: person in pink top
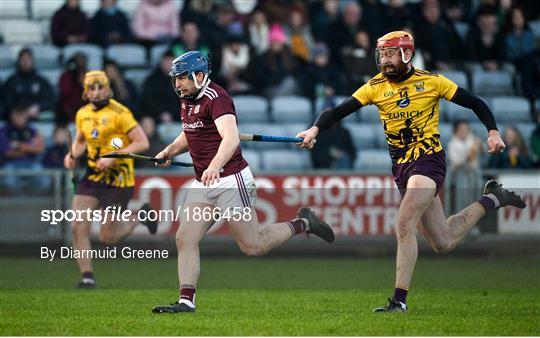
<point>156,21</point>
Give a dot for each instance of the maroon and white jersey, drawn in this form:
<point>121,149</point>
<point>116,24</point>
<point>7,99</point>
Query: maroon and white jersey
<point>203,138</point>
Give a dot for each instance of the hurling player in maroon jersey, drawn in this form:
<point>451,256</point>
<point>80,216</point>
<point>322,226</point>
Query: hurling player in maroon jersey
<point>224,186</point>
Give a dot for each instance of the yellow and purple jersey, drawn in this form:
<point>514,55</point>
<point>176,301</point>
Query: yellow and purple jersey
<point>409,111</point>
<point>98,128</point>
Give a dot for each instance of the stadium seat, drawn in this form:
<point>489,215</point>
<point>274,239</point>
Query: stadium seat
<point>251,108</point>
<point>373,160</point>
<point>291,129</point>
<point>13,9</point>
<point>535,28</point>
<point>459,77</point>
<point>137,76</point>
<point>53,76</point>
<point>6,73</point>
<point>185,157</point>
<point>45,9</point>
<point>169,131</point>
<point>252,157</point>
<point>90,7</point>
<point>492,83</point>
<point>479,130</point>
<point>369,114</point>
<point>511,109</point>
<point>7,57</point>
<point>285,160</point>
<point>262,129</point>
<point>156,53</point>
<point>363,135</point>
<point>93,52</point>
<point>21,32</point>
<point>462,28</point>
<point>45,27</point>
<point>128,55</point>
<point>320,102</point>
<point>380,136</point>
<point>526,130</point>
<point>45,129</point>
<point>291,109</point>
<point>46,56</point>
<point>454,112</point>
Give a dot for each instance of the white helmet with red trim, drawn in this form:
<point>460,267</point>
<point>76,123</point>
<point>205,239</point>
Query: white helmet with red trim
<point>393,42</point>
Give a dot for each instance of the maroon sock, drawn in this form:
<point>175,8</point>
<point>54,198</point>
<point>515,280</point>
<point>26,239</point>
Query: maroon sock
<point>88,274</point>
<point>400,295</point>
<point>487,203</point>
<point>297,226</point>
<point>187,292</point>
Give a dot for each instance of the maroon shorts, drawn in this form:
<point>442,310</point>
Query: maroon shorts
<point>106,195</point>
<point>432,166</point>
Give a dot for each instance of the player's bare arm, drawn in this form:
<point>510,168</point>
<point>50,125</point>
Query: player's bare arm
<point>327,119</point>
<point>228,131</point>
<point>177,147</point>
<point>480,108</point>
<point>77,150</point>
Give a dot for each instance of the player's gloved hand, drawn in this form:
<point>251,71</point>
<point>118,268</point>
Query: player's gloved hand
<point>495,142</point>
<point>309,137</point>
<point>210,176</point>
<point>163,154</point>
<point>69,162</point>
<point>103,164</point>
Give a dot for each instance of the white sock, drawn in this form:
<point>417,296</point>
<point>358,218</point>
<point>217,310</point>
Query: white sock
<point>494,199</point>
<point>187,302</point>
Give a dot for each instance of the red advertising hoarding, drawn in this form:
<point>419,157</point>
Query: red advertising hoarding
<point>355,205</point>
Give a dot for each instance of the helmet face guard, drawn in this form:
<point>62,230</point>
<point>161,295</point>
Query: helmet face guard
<point>189,64</point>
<point>92,78</point>
<point>392,43</point>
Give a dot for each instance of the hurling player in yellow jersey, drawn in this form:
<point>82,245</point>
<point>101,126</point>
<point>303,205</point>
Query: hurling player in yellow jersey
<point>408,103</point>
<point>108,182</point>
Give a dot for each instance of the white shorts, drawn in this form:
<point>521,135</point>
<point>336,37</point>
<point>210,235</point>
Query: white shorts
<point>233,191</point>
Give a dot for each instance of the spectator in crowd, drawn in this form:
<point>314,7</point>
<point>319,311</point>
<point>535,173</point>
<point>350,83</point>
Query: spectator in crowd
<point>464,148</point>
<point>20,146</point>
<point>123,89</point>
<point>515,156</point>
<point>156,144</point>
<point>274,73</point>
<point>258,32</point>
<point>484,42</point>
<point>71,88</point>
<point>225,23</point>
<point>234,64</point>
<point>197,11</point>
<point>321,78</point>
<point>109,25</point>
<point>335,148</point>
<point>375,17</point>
<point>343,31</point>
<point>399,14</point>
<point>520,48</point>
<point>189,40</point>
<point>54,154</point>
<point>27,87</point>
<point>69,25</point>
<point>323,18</point>
<point>438,39</point>
<point>299,34</point>
<point>535,143</point>
<point>358,62</point>
<point>158,98</point>
<point>156,21</point>
<point>2,104</point>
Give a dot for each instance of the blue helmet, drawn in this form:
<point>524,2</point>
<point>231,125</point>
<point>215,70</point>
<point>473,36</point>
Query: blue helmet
<point>189,64</point>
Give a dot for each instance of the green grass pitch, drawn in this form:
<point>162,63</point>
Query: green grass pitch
<point>273,296</point>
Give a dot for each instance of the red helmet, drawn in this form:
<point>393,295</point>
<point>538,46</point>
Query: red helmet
<point>400,39</point>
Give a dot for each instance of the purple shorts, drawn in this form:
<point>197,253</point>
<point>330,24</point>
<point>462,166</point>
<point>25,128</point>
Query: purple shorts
<point>106,195</point>
<point>432,166</point>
